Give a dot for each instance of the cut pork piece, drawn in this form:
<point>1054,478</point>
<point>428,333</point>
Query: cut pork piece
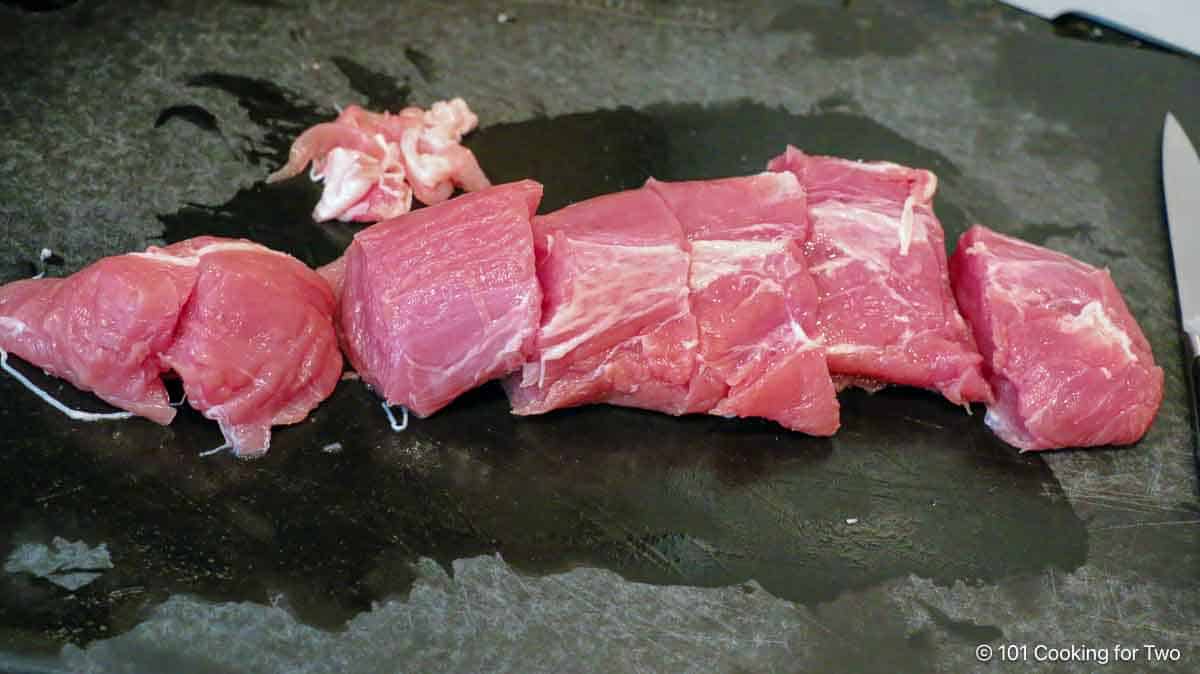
<point>255,346</point>
<point>248,330</point>
<point>754,301</point>
<point>102,328</point>
<point>877,254</point>
<point>1068,363</point>
<point>443,299</point>
<point>681,298</point>
<point>616,326</point>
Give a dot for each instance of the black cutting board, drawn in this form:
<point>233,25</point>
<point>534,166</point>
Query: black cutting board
<point>910,485</point>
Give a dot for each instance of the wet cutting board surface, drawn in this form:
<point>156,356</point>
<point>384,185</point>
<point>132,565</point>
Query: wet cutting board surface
<point>597,538</point>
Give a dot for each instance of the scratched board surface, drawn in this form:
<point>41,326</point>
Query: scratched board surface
<point>914,532</point>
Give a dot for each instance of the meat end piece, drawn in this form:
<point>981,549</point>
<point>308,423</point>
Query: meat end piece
<point>877,254</point>
<point>101,328</point>
<point>248,330</point>
<point>255,346</point>
<point>754,301</point>
<point>1067,361</point>
<point>616,324</point>
<point>443,299</point>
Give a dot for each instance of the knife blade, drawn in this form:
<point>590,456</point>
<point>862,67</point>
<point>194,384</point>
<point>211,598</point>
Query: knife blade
<point>1181,187</point>
<point>1173,23</point>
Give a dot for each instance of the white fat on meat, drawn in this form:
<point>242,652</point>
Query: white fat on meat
<point>380,161</point>
<point>425,168</point>
<point>467,366</point>
<point>12,326</point>
<point>977,248</point>
<point>905,229</point>
<point>1070,366</point>
<point>781,187</point>
<point>1096,322</point>
<point>446,122</point>
<point>836,349</point>
<point>191,260</point>
<point>350,175</point>
<point>877,254</point>
<point>888,232</point>
<point>587,295</point>
<point>704,308</point>
<point>833,266</point>
<point>714,259</point>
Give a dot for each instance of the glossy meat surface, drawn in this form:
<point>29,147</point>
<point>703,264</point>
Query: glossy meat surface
<point>1068,362</point>
<point>616,326</point>
<point>689,297</point>
<point>102,328</point>
<point>754,301</point>
<point>255,346</point>
<point>247,329</point>
<point>443,299</point>
<point>877,254</point>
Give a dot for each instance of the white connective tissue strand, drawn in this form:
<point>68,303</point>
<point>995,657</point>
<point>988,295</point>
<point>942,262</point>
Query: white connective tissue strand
<point>216,450</point>
<point>77,415</point>
<point>396,426</point>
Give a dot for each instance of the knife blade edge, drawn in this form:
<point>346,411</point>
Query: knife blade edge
<point>1181,187</point>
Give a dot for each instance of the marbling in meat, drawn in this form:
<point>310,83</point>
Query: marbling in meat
<point>754,301</point>
<point>877,254</point>
<point>248,330</point>
<point>373,164</point>
<point>443,299</point>
<point>1067,361</point>
<point>681,298</point>
<point>616,324</point>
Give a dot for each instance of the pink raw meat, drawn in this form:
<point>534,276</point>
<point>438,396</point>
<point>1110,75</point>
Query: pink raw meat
<point>1068,363</point>
<point>374,163</point>
<point>877,254</point>
<point>255,346</point>
<point>249,331</point>
<point>443,299</point>
<point>334,274</point>
<point>754,301</point>
<point>101,328</point>
<point>616,326</point>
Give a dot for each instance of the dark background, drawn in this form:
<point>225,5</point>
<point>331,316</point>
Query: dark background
<point>898,545</point>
